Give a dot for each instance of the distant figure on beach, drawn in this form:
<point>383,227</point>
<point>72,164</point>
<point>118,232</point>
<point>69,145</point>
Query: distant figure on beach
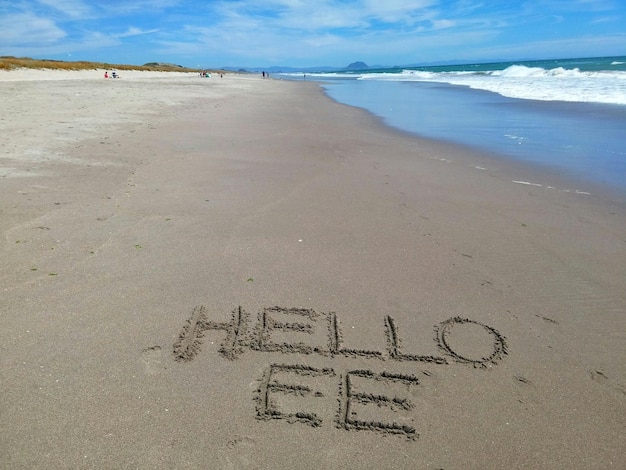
<point>106,74</point>
<point>263,74</point>
<point>114,75</point>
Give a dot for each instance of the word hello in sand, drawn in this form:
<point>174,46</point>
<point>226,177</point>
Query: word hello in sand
<point>363,395</point>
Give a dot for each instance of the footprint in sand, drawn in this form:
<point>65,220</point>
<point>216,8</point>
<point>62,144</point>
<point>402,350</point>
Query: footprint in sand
<point>601,378</point>
<point>152,358</point>
<point>527,394</point>
<point>238,453</point>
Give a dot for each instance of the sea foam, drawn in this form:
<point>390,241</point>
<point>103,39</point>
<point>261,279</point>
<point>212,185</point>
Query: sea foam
<point>531,83</point>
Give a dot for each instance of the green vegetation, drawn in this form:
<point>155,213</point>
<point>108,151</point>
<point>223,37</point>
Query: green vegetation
<point>10,63</point>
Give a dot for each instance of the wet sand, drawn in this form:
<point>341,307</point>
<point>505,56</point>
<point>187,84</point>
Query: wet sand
<point>241,273</point>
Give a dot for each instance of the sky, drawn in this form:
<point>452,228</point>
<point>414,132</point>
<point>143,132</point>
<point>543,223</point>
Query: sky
<point>308,33</point>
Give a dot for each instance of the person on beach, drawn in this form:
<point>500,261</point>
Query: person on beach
<point>106,74</point>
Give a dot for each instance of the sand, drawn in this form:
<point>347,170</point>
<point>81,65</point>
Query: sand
<point>240,273</point>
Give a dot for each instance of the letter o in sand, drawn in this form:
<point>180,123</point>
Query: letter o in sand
<point>471,341</point>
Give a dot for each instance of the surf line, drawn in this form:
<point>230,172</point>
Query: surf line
<point>300,327</point>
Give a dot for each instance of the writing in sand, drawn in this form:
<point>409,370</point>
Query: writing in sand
<point>368,400</point>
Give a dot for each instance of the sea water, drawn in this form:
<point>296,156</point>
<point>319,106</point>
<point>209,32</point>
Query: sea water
<point>568,115</point>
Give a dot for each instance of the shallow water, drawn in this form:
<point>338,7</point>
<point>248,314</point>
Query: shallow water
<point>584,140</point>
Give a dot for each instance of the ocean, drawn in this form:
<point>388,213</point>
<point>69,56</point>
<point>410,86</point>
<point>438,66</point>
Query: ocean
<point>568,115</point>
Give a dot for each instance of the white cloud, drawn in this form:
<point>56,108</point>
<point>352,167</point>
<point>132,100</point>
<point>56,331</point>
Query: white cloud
<point>596,5</point>
<point>89,44</point>
<point>605,19</point>
<point>397,11</point>
<point>323,40</point>
<point>443,24</point>
<point>134,6</point>
<point>318,33</point>
<point>580,46</point>
<point>284,32</point>
<point>577,6</point>
<point>132,31</point>
<point>71,8</point>
<point>25,28</point>
<point>323,14</point>
<point>303,16</point>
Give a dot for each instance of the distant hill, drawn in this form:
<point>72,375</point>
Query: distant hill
<point>162,64</point>
<point>357,66</point>
<point>277,69</point>
<point>283,69</point>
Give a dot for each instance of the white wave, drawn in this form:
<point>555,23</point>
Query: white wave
<point>533,83</point>
<point>321,75</point>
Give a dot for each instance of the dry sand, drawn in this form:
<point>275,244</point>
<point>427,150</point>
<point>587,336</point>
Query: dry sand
<point>241,273</point>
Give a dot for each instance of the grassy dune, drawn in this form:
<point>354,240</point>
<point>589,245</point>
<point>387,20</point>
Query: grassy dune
<point>10,63</point>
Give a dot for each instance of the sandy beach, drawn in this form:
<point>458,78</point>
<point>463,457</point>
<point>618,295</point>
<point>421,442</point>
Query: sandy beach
<point>241,273</point>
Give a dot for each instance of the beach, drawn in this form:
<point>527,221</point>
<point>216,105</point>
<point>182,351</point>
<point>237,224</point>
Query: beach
<point>566,116</point>
<point>239,272</point>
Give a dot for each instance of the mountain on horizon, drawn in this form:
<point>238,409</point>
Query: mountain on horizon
<point>357,66</point>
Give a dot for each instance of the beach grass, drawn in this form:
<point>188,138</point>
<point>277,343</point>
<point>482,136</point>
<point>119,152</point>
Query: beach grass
<point>11,63</point>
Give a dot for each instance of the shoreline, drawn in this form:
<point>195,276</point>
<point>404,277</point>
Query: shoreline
<point>537,175</point>
<point>529,132</point>
<point>336,260</point>
<point>505,166</point>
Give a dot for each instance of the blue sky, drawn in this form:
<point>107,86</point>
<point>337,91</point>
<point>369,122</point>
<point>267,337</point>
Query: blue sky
<point>302,33</point>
